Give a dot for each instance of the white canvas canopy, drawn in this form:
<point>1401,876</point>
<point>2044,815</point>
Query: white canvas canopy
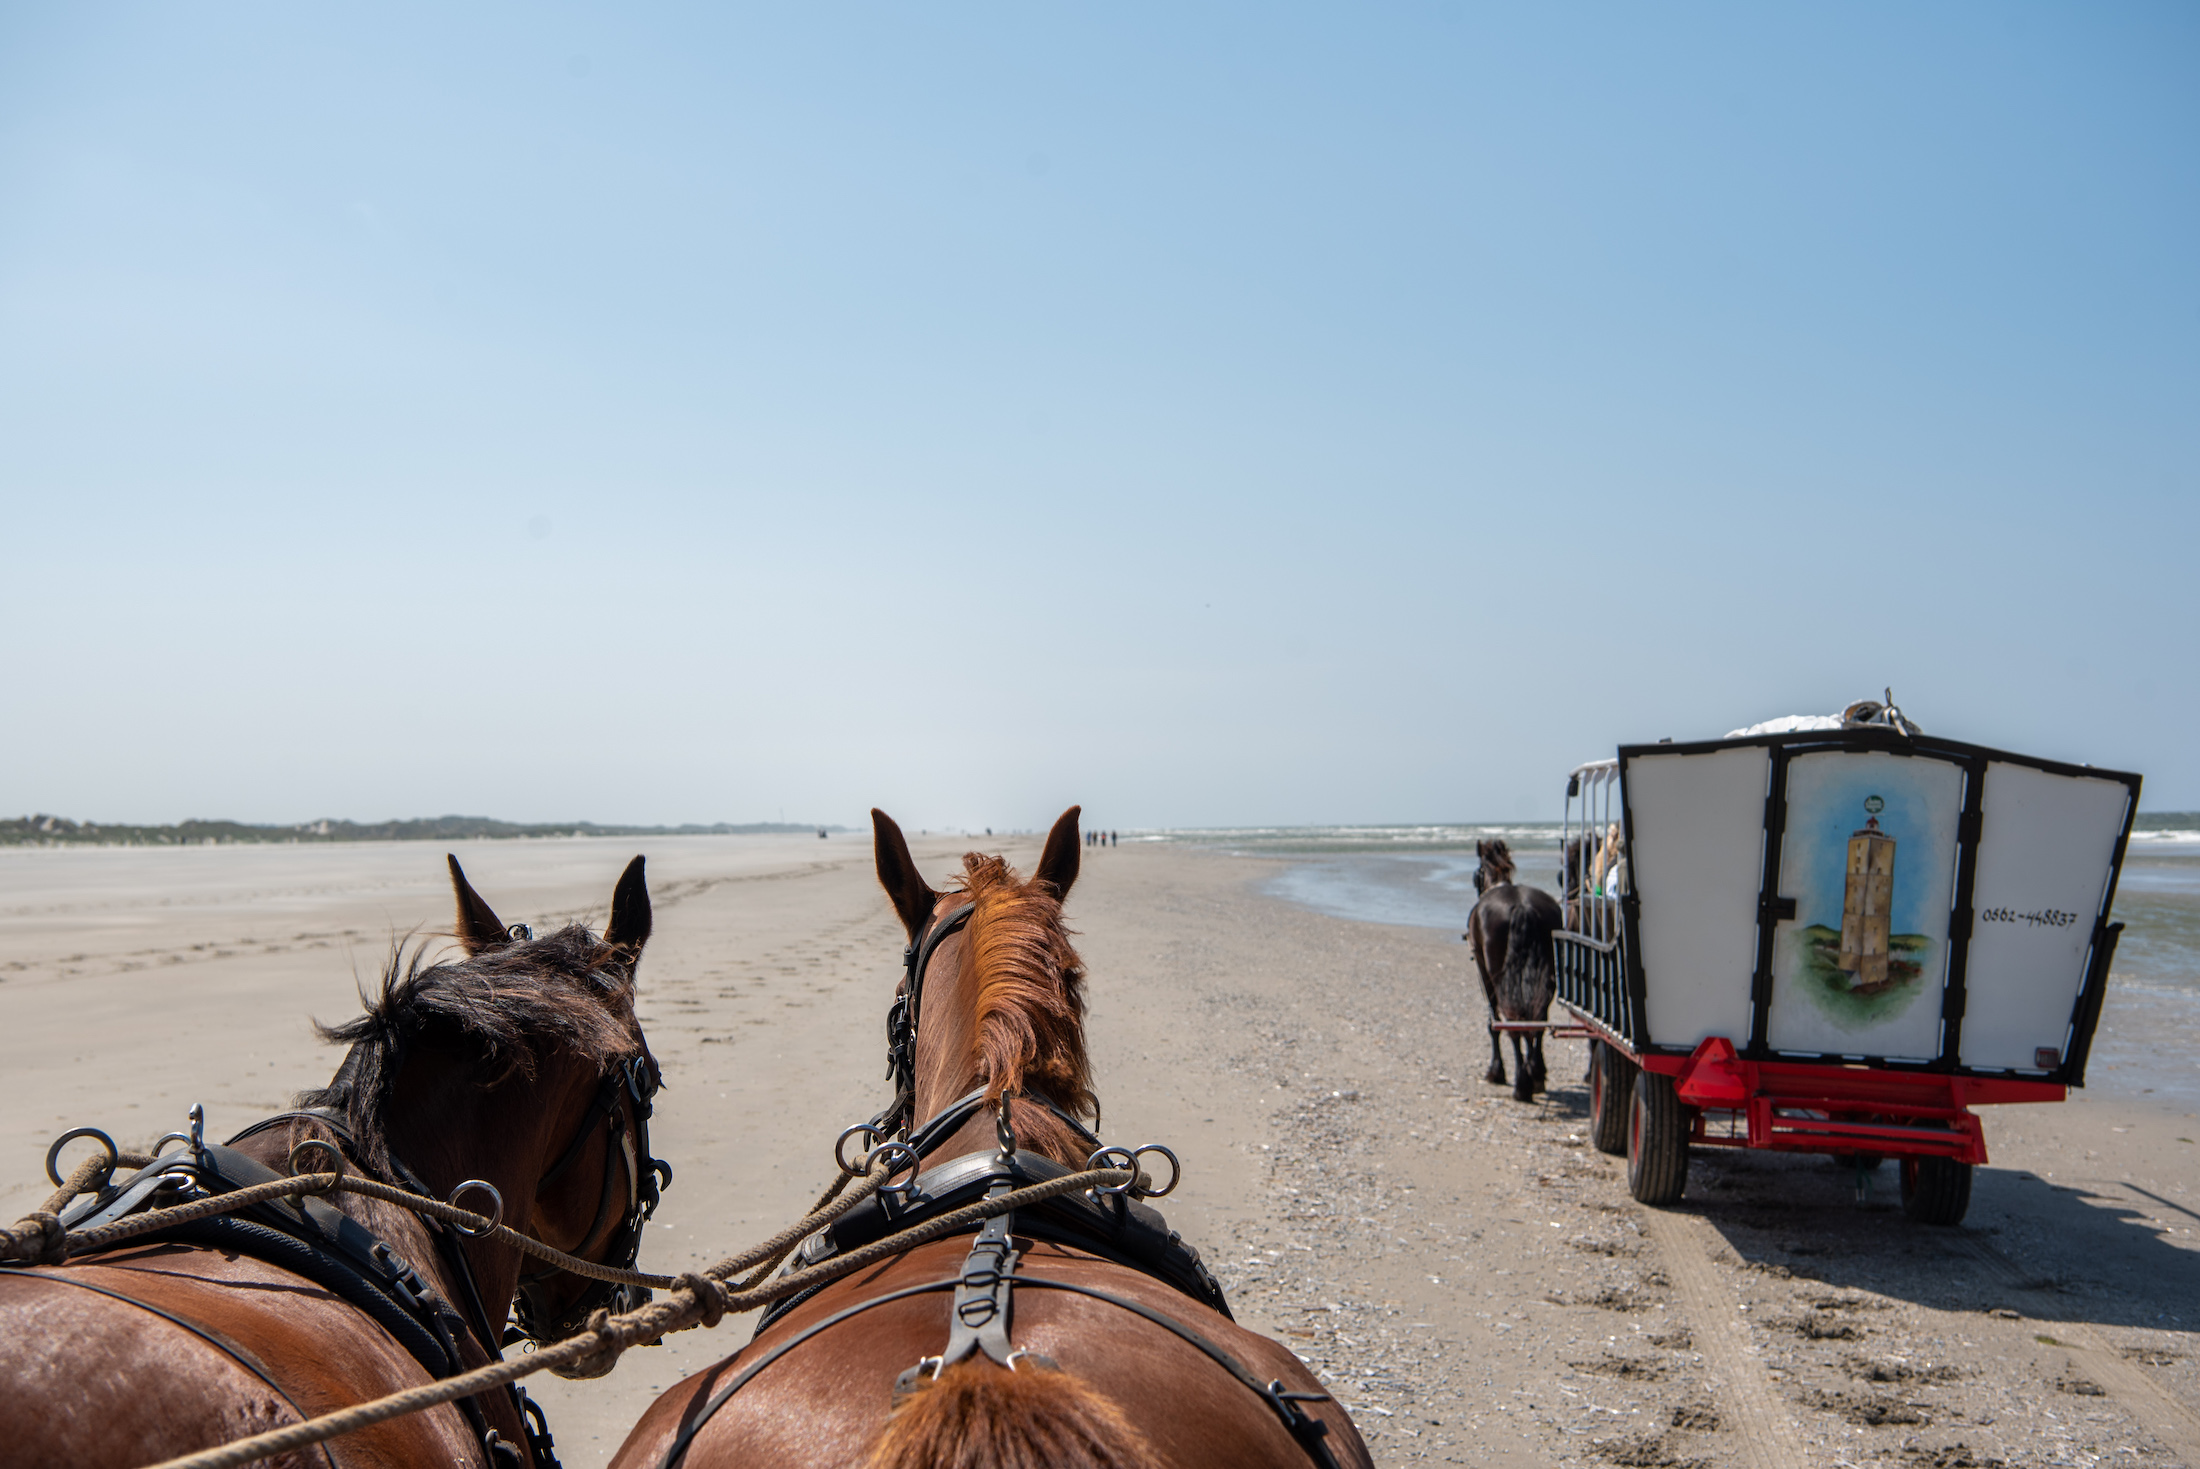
<point>1931,903</point>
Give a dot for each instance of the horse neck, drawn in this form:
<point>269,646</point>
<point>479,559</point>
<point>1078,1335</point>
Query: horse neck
<point>948,1067</point>
<point>447,1128</point>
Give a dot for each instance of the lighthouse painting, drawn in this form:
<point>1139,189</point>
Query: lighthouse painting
<point>1866,900</point>
<point>1868,940</point>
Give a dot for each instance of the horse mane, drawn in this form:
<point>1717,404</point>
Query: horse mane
<point>1030,1003</point>
<point>568,991</point>
<point>1498,858</point>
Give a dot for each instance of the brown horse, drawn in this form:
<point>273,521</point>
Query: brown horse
<point>520,1066</point>
<point>1510,929</point>
<point>1024,1349</point>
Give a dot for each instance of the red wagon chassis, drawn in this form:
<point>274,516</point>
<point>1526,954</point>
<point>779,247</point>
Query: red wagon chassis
<point>1811,1107</point>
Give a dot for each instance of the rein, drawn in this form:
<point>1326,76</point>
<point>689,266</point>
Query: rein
<point>362,1269</point>
<point>694,1299</point>
<point>978,1315</point>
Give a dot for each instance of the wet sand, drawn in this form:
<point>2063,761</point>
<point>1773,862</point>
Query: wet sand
<point>1467,1274</point>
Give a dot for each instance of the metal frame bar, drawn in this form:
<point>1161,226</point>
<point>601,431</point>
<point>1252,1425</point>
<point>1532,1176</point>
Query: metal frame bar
<point>1608,987</point>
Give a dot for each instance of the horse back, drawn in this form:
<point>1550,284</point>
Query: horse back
<point>827,1402</point>
<point>1511,927</point>
<point>149,1353</point>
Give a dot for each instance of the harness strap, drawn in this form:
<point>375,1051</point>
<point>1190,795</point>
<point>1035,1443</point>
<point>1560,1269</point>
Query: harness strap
<point>679,1446</point>
<point>453,1251</point>
<point>619,1229</point>
<point>951,1119</point>
<point>1308,1431</point>
<point>213,1339</point>
<point>901,1019</point>
<point>919,955</point>
<point>978,1321</point>
<point>447,1243</point>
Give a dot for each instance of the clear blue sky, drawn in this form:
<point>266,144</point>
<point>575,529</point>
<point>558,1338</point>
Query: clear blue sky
<point>1210,414</point>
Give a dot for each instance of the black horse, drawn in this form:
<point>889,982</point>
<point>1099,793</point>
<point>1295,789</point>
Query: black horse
<point>1511,929</point>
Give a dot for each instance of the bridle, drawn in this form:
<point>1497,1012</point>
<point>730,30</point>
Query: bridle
<point>979,1314</point>
<point>626,1093</point>
<point>637,1079</point>
<point>901,1021</point>
<point>900,1117</point>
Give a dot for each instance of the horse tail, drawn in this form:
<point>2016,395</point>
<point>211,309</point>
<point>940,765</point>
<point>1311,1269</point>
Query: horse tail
<point>1531,968</point>
<point>980,1416</point>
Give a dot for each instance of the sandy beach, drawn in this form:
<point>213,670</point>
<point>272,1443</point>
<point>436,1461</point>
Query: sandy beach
<point>1467,1274</point>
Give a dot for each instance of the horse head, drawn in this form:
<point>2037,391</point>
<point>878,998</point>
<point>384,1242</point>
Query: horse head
<point>994,996</point>
<point>521,1065</point>
<point>1496,867</point>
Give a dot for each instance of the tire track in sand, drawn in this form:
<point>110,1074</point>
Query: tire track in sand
<point>2161,1414</point>
<point>1760,1419</point>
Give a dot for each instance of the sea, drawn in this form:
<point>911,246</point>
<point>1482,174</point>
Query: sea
<point>2148,1045</point>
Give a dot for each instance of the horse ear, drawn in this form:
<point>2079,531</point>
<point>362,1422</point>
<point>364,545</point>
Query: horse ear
<point>1058,863</point>
<point>478,925</point>
<point>629,925</point>
<point>897,873</point>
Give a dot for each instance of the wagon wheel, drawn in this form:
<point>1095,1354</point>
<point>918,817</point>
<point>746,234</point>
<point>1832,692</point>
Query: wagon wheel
<point>1936,1190</point>
<point>1657,1141</point>
<point>1611,1092</point>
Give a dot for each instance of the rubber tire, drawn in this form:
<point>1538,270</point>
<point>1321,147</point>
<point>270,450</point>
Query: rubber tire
<point>1611,1094</point>
<point>1657,1141</point>
<point>1936,1190</point>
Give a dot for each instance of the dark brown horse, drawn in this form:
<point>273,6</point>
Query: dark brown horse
<point>520,1065</point>
<point>1083,1360</point>
<point>1510,929</point>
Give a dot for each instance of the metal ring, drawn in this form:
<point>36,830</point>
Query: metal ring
<point>169,1137</point>
<point>53,1154</point>
<point>1176,1170</point>
<point>1108,1157</point>
<point>495,1217</point>
<point>840,1147</point>
<point>336,1156</point>
<point>901,1156</point>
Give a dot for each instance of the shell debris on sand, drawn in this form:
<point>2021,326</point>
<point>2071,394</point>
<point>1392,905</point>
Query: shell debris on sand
<point>1480,1288</point>
<point>1469,1276</point>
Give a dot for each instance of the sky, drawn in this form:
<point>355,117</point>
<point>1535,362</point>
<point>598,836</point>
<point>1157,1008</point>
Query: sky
<point>1212,414</point>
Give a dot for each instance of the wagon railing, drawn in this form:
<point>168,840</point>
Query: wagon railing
<point>1590,951</point>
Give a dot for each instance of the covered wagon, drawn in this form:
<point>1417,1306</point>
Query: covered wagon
<point>1834,940</point>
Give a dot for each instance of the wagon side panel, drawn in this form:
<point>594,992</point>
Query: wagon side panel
<point>1695,833</point>
<point>2047,858</point>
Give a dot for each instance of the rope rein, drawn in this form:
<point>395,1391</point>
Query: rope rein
<point>693,1298</point>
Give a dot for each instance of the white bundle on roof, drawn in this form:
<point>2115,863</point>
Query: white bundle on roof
<point>1862,712</point>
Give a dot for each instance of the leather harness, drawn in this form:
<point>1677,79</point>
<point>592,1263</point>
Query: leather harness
<point>313,1239</point>
<point>1118,1230</point>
